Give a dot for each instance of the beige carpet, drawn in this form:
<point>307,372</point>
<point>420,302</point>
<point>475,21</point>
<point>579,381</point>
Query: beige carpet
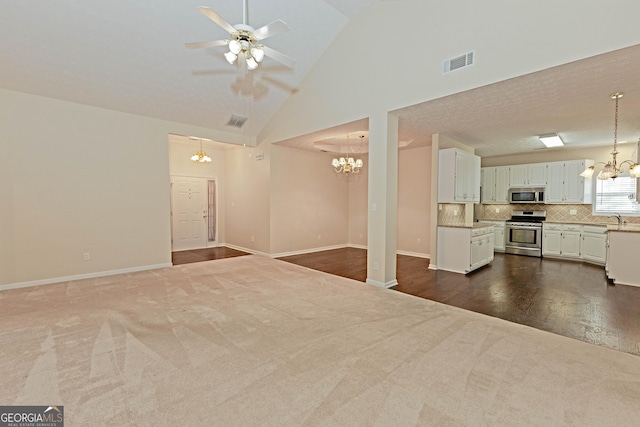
<point>255,341</point>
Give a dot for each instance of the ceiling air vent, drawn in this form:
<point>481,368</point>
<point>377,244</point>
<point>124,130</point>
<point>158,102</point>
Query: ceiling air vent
<point>236,121</point>
<point>457,62</point>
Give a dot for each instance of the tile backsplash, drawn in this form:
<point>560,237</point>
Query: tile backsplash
<point>555,213</point>
<point>451,213</point>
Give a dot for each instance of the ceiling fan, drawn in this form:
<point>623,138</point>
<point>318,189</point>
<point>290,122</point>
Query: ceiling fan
<point>244,40</point>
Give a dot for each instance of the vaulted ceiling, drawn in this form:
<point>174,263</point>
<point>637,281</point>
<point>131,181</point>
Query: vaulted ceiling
<point>130,57</point>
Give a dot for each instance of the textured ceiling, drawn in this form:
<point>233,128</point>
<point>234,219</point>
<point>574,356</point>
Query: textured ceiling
<point>130,56</point>
<point>506,118</point>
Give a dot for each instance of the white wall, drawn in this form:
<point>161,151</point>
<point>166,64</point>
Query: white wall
<point>247,199</point>
<point>358,202</point>
<point>414,200</point>
<point>82,179</point>
<point>598,154</point>
<point>308,200</point>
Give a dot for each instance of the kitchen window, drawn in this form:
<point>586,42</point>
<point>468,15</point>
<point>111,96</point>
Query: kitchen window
<point>616,196</point>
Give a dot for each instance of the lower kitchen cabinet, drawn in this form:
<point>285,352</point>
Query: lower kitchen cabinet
<point>498,234</point>
<point>574,241</point>
<point>622,263</point>
<point>464,249</point>
<point>594,244</point>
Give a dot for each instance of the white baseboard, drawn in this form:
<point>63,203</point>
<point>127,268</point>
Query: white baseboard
<point>387,285</point>
<point>82,276</point>
<point>353,245</point>
<point>414,254</point>
<point>307,251</point>
<point>433,267</point>
<point>251,251</point>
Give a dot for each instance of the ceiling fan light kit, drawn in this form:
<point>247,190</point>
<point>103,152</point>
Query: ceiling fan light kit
<point>244,40</point>
<point>611,169</point>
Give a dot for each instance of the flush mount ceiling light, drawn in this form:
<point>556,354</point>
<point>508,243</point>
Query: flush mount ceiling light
<point>611,169</point>
<point>200,156</point>
<point>552,140</point>
<point>347,165</point>
<point>244,40</point>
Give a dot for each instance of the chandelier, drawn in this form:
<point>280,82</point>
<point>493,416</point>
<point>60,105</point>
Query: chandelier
<point>348,164</point>
<point>611,169</point>
<point>201,156</point>
<point>244,42</point>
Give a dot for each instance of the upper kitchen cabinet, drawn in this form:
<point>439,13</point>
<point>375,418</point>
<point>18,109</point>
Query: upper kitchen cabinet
<point>531,175</point>
<point>565,185</point>
<point>494,184</point>
<point>458,177</point>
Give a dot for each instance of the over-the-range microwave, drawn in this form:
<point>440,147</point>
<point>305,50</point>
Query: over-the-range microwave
<point>526,195</point>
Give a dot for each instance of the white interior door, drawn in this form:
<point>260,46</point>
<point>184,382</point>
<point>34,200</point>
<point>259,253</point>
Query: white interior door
<point>188,213</point>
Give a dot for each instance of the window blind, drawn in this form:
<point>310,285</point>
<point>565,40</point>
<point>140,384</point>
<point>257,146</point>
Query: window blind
<point>616,196</point>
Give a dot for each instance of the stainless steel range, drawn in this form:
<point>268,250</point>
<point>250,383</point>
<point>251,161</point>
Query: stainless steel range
<point>524,233</point>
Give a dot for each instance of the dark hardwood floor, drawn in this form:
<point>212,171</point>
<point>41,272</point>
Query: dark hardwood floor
<point>198,255</point>
<point>568,298</point>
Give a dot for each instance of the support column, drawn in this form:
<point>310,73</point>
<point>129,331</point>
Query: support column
<point>383,200</point>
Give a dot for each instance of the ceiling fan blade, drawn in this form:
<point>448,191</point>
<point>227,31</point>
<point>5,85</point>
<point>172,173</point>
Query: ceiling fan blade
<point>211,43</point>
<point>216,18</point>
<point>270,30</point>
<point>279,84</point>
<point>280,57</point>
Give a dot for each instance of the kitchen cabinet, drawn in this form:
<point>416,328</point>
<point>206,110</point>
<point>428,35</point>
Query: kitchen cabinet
<point>594,244</point>
<point>561,240</point>
<point>622,261</point>
<point>528,175</point>
<point>458,177</point>
<point>565,185</point>
<point>464,249</point>
<point>498,234</point>
<point>494,185</point>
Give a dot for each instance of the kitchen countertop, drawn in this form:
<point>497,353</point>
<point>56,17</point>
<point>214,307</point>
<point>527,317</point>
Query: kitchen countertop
<point>467,225</point>
<point>595,224</point>
<point>631,228</point>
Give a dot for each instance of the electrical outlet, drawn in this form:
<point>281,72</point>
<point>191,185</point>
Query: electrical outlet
<point>455,212</point>
<point>439,206</point>
<point>573,212</point>
<point>376,266</point>
<point>86,256</point>
<point>497,210</point>
<point>419,241</point>
<point>319,236</point>
<point>253,239</point>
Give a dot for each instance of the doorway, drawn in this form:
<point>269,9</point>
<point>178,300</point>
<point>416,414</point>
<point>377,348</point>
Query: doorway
<point>194,213</point>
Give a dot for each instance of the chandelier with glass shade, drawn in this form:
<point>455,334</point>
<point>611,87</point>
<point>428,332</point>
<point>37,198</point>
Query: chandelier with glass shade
<point>200,156</point>
<point>348,164</point>
<point>612,169</point>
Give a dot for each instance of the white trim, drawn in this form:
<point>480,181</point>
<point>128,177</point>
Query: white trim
<point>251,251</point>
<point>307,251</point>
<point>387,285</point>
<point>432,266</point>
<point>353,245</point>
<point>82,276</point>
<point>413,254</point>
